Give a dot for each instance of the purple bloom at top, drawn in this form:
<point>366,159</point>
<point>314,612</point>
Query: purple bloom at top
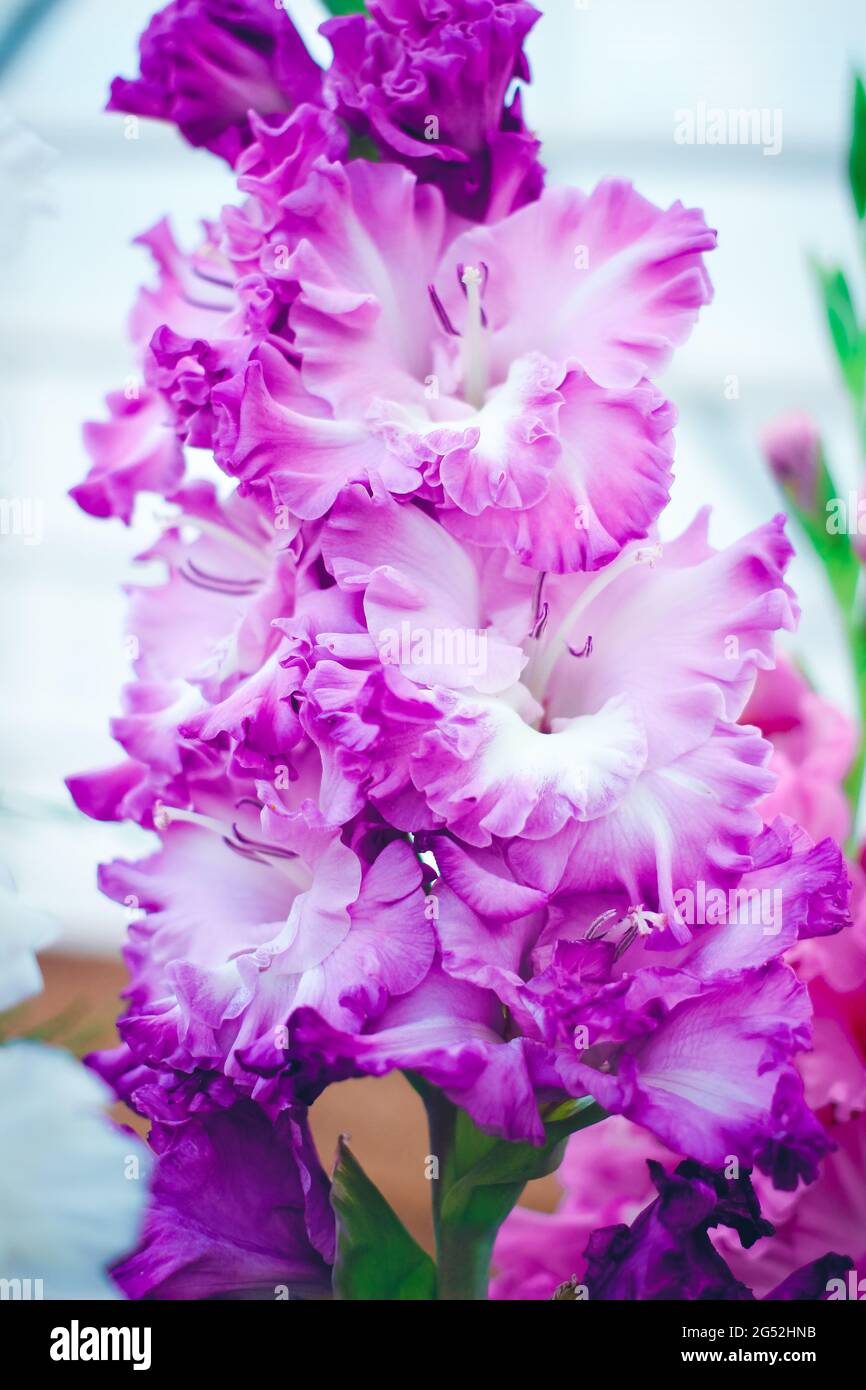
<point>428,81</point>
<point>205,64</point>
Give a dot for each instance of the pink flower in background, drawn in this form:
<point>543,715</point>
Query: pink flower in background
<point>605,1181</point>
<point>813,747</point>
<point>792,447</point>
<point>832,1212</point>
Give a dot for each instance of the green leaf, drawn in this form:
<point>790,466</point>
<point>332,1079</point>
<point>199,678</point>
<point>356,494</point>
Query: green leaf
<point>376,1256</point>
<point>490,1174</point>
<point>848,337</point>
<point>345,6</point>
<point>480,1181</point>
<point>857,153</point>
<point>832,546</point>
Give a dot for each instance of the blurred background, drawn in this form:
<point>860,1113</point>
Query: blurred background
<point>610,78</point>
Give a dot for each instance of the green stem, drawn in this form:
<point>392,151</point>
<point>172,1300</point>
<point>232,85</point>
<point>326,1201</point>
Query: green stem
<point>462,1254</point>
<point>480,1179</point>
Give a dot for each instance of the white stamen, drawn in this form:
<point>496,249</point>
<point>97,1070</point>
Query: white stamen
<point>217,532</point>
<point>295,870</point>
<point>646,922</point>
<point>474,343</point>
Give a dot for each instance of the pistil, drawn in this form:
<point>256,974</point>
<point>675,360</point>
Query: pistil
<point>473,345</point>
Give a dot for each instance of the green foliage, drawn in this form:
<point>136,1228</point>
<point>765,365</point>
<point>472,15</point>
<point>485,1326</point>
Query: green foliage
<point>480,1181</point>
<point>376,1256</point>
<point>857,152</point>
<point>846,331</point>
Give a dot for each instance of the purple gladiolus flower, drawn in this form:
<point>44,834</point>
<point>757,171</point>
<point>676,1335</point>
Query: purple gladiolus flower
<point>428,81</point>
<point>438,746</point>
<point>205,64</point>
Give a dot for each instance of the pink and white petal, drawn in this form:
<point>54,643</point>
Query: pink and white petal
<point>390,947</point>
<point>608,485</point>
<point>509,449</point>
<point>189,296</point>
<point>486,772</point>
<point>422,596</point>
<point>258,714</point>
<point>368,239</point>
<point>685,634</point>
<point>446,1030</point>
<point>694,819</point>
<point>608,282</point>
<point>714,1080</point>
<point>197,900</point>
<point>483,880</point>
<point>270,428</point>
<point>483,951</point>
<point>149,728</point>
<point>135,451</point>
<point>101,794</point>
<point>794,890</point>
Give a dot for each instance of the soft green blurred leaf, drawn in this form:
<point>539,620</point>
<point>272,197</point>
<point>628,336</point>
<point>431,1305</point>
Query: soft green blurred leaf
<point>857,153</point>
<point>376,1256</point>
<point>848,337</point>
<point>832,545</point>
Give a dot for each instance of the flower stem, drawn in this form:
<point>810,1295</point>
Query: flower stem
<point>480,1178</point>
<point>462,1253</point>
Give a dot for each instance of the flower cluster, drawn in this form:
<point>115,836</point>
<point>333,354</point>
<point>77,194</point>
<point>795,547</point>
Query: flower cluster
<point>604,1176</point>
<point>440,745</point>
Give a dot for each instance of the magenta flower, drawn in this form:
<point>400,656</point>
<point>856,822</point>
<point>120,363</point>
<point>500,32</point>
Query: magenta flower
<point>503,397</point>
<point>428,83</point>
<point>562,998</point>
<point>557,722</point>
<point>205,64</point>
